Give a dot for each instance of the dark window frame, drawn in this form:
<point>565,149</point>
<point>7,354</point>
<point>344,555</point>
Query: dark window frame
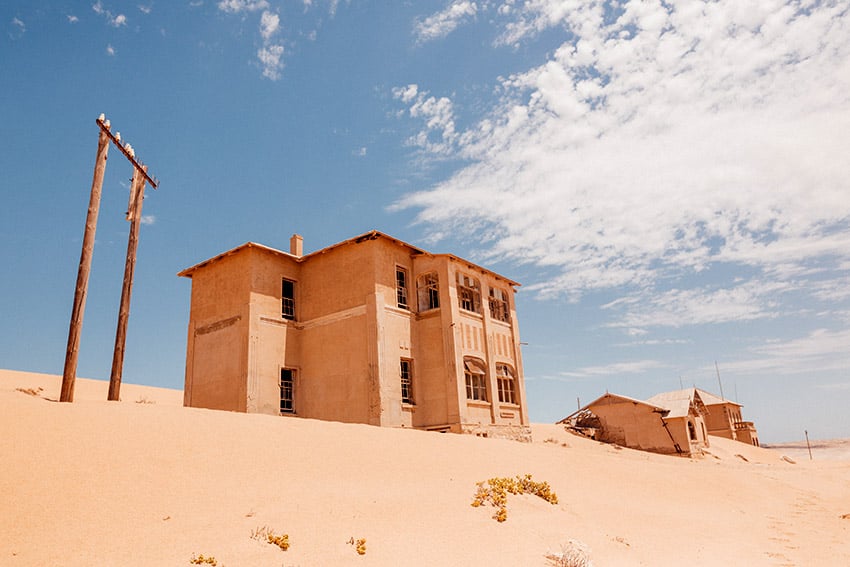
<point>402,276</point>
<point>406,371</point>
<point>287,391</point>
<point>287,299</point>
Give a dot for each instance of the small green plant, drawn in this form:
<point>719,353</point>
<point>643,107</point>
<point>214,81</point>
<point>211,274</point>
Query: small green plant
<point>495,492</point>
<point>202,560</point>
<point>269,536</point>
<point>359,545</point>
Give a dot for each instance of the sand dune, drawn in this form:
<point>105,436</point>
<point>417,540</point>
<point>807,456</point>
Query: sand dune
<point>148,482</point>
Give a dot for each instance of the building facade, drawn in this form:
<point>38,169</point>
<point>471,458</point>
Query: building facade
<point>369,330</point>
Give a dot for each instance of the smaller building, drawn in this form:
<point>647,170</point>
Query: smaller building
<point>723,419</point>
<point>675,426</point>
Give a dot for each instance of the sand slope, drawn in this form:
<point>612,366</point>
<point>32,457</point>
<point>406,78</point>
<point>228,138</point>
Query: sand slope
<point>126,483</point>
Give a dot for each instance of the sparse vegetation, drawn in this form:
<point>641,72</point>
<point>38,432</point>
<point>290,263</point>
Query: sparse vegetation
<point>269,536</point>
<point>359,545</point>
<point>144,400</point>
<point>495,492</point>
<point>573,554</point>
<point>203,560</point>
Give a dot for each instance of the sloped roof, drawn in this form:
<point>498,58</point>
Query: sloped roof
<point>679,402</point>
<point>612,398</point>
<point>371,235</point>
<point>710,399</point>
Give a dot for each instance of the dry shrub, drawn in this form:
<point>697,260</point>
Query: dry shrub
<point>573,554</point>
<point>30,391</point>
<point>269,536</point>
<point>359,545</point>
<point>201,560</point>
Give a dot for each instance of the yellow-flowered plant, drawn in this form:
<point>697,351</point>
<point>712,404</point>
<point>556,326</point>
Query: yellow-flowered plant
<point>495,492</point>
<point>269,536</point>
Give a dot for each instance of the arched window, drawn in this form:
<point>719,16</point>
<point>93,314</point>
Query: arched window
<point>475,374</point>
<point>468,293</point>
<point>506,379</point>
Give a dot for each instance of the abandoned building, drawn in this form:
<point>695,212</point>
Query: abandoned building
<point>370,330</point>
<point>723,417</point>
<point>675,426</point>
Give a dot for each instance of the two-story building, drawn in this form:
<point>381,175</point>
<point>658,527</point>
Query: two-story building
<point>369,330</point>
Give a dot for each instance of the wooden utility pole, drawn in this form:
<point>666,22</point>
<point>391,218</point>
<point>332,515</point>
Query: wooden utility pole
<point>69,374</point>
<point>134,215</point>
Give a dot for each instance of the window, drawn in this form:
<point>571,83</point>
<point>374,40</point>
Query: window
<point>499,305</point>
<point>406,381</point>
<point>428,291</point>
<point>476,379</point>
<point>692,432</point>
<point>507,384</point>
<point>468,293</point>
<point>287,386</point>
<point>401,287</point>
<point>287,304</point>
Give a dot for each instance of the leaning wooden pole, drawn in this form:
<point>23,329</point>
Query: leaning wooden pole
<point>134,215</point>
<point>69,374</point>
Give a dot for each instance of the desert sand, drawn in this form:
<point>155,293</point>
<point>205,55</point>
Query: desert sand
<point>148,482</point>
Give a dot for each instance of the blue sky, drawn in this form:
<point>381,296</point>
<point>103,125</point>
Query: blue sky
<point>669,181</point>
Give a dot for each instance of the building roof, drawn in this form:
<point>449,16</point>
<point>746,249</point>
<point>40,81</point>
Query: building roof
<point>679,402</point>
<point>371,235</point>
<point>710,399</point>
<point>609,398</point>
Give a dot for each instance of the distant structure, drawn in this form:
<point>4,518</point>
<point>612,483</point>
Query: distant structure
<point>370,330</point>
<point>675,426</point>
<point>677,422</point>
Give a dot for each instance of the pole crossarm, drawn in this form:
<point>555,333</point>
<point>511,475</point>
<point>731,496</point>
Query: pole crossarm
<point>128,153</point>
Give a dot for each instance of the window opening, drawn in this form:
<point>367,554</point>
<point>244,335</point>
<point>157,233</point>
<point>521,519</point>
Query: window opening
<point>692,432</point>
<point>287,304</point>
<point>507,384</point>
<point>499,305</point>
<point>406,381</point>
<point>428,291</point>
<point>287,389</point>
<point>476,379</point>
<point>401,287</point>
<point>468,293</point>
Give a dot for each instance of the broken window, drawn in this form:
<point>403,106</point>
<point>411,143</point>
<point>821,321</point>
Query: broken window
<point>287,304</point>
<point>287,390</point>
<point>428,291</point>
<point>401,287</point>
<point>475,374</point>
<point>506,380</point>
<point>406,381</point>
<point>499,305</point>
<point>468,293</point>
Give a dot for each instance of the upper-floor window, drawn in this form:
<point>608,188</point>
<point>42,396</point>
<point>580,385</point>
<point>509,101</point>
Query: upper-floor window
<point>468,293</point>
<point>475,375</point>
<point>406,381</point>
<point>401,287</point>
<point>506,380</point>
<point>287,391</point>
<point>428,291</point>
<point>499,305</point>
<point>287,303</point>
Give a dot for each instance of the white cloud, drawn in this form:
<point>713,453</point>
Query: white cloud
<point>110,50</point>
<point>659,141</point>
<point>821,351</point>
<point>112,20</point>
<point>269,25</point>
<point>617,368</point>
<point>19,24</point>
<point>237,6</point>
<point>148,219</point>
<point>444,22</point>
<point>72,19</point>
<point>269,57</point>
<point>145,9</point>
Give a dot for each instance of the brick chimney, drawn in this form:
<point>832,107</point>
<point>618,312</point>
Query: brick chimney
<point>296,245</point>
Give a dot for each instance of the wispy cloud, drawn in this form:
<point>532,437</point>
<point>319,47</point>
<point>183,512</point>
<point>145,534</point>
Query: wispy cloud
<point>658,141</point>
<point>113,20</point>
<point>270,53</point>
<point>72,19</point>
<point>444,22</point>
<point>148,219</point>
<point>614,369</point>
<point>237,6</point>
<point>145,9</point>
<point>821,351</point>
<point>19,27</point>
<point>110,50</point>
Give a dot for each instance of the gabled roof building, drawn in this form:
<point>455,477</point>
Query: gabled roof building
<point>370,330</point>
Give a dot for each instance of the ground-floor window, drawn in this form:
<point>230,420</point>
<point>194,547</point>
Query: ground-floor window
<point>476,379</point>
<point>287,390</point>
<point>406,381</point>
<point>507,384</point>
